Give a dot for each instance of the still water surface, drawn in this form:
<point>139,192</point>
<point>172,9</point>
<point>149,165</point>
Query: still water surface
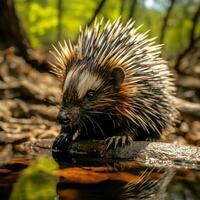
<point>45,179</point>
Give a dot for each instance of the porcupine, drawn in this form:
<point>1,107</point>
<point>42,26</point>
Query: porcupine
<point>115,84</point>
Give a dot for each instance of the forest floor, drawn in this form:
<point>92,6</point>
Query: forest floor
<point>29,102</point>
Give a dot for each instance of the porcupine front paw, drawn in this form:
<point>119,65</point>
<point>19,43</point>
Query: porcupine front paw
<point>118,140</point>
<point>61,142</point>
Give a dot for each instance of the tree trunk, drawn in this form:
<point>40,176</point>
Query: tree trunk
<point>11,30</point>
<point>13,34</point>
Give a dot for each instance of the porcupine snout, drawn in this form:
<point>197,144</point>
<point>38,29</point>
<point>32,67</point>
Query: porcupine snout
<point>68,116</point>
<point>63,116</point>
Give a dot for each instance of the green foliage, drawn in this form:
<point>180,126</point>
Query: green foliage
<point>40,19</point>
<point>76,13</point>
<point>37,181</point>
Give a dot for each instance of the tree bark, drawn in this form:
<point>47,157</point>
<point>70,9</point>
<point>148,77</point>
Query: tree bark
<point>165,21</point>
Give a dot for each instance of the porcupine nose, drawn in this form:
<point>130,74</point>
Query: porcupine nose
<point>63,117</point>
<point>68,116</point>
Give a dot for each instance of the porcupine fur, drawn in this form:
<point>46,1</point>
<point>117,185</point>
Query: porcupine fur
<point>114,83</point>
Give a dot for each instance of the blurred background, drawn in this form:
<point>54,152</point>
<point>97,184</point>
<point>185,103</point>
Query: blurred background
<point>39,23</point>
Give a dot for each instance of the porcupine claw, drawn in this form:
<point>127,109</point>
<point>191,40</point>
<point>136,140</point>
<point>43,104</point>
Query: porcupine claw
<point>116,140</point>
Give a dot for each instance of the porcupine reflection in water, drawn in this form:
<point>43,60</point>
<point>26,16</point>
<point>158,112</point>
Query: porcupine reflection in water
<point>142,187</point>
<point>38,177</point>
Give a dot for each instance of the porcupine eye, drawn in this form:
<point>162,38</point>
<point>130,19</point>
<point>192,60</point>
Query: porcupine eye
<point>90,94</point>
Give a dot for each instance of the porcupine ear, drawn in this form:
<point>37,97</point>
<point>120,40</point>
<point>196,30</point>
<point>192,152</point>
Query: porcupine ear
<point>118,76</point>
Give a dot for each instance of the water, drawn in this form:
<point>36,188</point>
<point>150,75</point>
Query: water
<point>42,178</point>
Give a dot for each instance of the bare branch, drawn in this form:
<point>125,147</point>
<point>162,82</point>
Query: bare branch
<point>122,7</point>
<point>96,12</point>
<point>165,21</point>
<point>194,25</point>
<point>132,9</point>
<point>192,41</point>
